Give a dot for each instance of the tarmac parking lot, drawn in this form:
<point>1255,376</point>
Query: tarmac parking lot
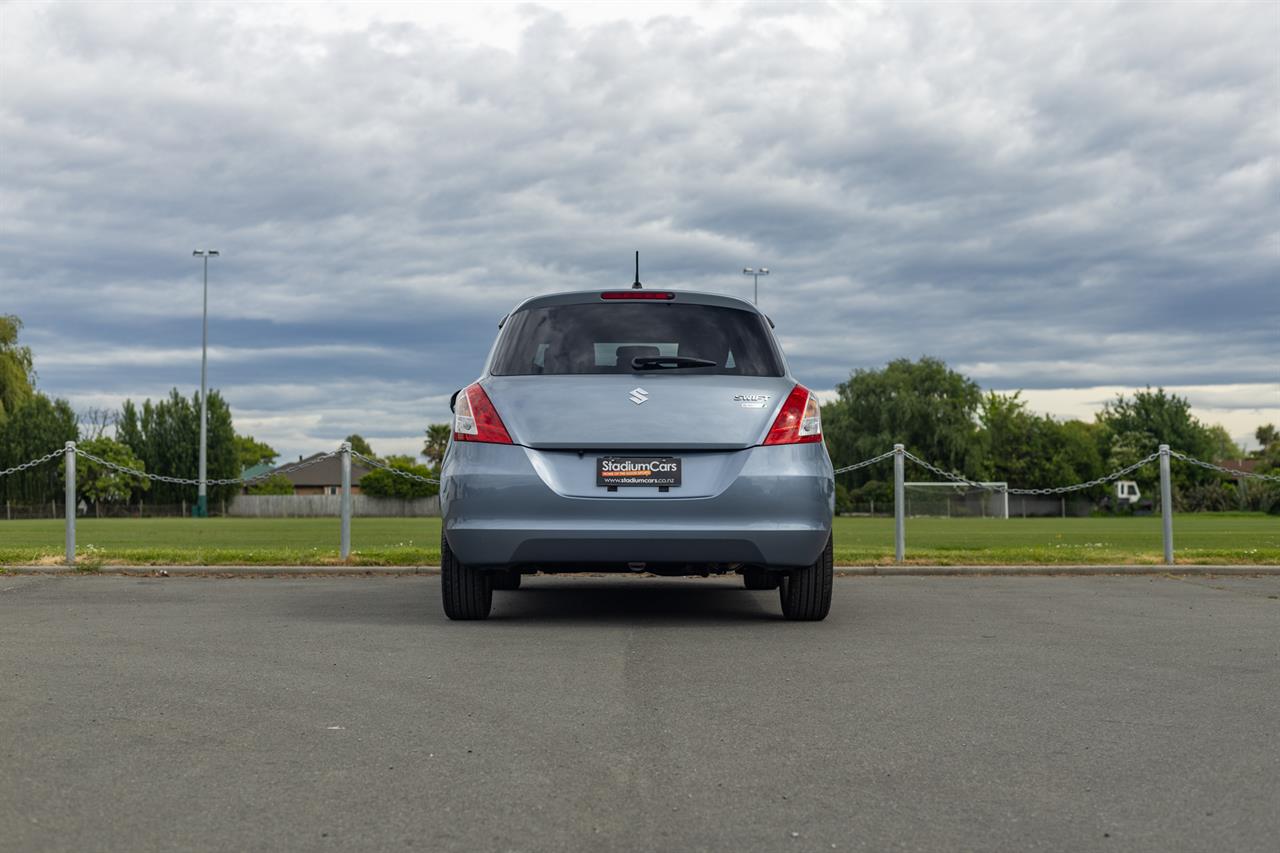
<point>930,713</point>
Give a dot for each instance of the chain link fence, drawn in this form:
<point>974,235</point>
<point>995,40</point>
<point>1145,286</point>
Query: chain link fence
<point>899,454</point>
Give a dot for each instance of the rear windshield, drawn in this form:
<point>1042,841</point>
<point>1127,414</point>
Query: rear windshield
<point>603,338</point>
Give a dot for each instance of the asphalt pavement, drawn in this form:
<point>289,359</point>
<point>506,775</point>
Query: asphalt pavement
<point>927,713</point>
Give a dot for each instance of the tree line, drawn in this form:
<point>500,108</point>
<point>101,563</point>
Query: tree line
<point>945,418</point>
<point>938,413</point>
<point>161,437</point>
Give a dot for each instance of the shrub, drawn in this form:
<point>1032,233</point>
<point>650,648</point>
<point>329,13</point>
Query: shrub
<point>276,484</point>
<point>384,484</point>
<point>1207,497</point>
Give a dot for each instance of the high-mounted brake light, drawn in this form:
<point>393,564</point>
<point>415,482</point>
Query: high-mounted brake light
<point>637,294</point>
<point>475,418</point>
<point>799,421</point>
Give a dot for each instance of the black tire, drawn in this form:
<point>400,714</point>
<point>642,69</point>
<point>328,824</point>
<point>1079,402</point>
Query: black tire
<point>505,580</point>
<point>760,579</point>
<point>467,593</point>
<point>806,592</point>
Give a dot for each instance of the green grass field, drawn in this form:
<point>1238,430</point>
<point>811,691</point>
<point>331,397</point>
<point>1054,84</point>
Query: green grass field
<point>1204,538</point>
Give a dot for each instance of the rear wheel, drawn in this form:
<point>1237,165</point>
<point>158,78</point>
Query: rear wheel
<point>467,592</point>
<point>806,592</point>
<point>760,579</point>
<point>505,580</point>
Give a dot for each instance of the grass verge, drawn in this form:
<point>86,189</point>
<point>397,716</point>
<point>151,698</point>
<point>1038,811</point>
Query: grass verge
<point>1228,538</point>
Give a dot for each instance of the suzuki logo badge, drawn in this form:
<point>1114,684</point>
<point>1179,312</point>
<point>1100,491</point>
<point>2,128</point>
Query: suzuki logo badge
<point>638,395</point>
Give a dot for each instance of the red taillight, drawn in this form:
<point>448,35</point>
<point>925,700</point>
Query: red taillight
<point>800,420</point>
<point>637,294</point>
<point>475,418</point>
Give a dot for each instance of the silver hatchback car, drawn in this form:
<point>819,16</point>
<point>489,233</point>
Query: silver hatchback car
<point>636,431</point>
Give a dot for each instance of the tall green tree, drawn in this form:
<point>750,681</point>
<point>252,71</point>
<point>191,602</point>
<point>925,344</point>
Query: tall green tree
<point>166,436</point>
<point>1267,435</point>
<point>359,445</point>
<point>17,375</point>
<point>1076,454</point>
<point>922,404</point>
<point>34,428</point>
<point>1156,417</point>
<point>437,442</point>
<point>1134,427</point>
<point>250,452</point>
<point>1012,437</point>
<point>1262,495</point>
<point>1028,450</point>
<point>1222,446</point>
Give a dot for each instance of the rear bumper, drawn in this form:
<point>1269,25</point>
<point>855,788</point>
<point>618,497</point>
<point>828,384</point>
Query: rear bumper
<point>498,510</point>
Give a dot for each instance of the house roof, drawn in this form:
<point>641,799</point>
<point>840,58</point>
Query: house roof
<point>254,470</point>
<point>1245,466</point>
<point>326,472</point>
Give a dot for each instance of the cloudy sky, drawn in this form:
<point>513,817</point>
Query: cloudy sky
<point>1072,199</point>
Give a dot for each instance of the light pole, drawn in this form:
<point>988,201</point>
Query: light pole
<point>202,497</point>
<point>755,273</point>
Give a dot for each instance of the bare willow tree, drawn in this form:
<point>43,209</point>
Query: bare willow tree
<point>95,422</point>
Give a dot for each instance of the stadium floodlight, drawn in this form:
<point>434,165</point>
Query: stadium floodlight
<point>201,509</point>
<point>755,274</point>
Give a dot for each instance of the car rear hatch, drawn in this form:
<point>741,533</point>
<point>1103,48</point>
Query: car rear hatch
<point>708,423</point>
<point>579,376</point>
<point>644,411</point>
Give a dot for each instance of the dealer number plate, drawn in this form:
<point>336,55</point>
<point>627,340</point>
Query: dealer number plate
<point>661,471</point>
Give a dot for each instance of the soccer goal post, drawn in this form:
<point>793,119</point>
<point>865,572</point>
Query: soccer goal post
<point>957,500</point>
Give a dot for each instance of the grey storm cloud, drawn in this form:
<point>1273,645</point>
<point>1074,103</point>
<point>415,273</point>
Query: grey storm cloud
<point>1047,196</point>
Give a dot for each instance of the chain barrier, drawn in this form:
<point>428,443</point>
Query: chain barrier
<point>1056,490</point>
<point>124,469</point>
<point>33,463</point>
<point>187,481</point>
<point>1275,478</point>
<point>345,536</point>
<point>865,463</point>
<point>378,463</point>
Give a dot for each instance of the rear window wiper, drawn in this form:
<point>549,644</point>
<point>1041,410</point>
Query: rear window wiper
<point>644,361</point>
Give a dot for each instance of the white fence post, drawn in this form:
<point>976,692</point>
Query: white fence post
<point>899,503</point>
<point>71,502</point>
<point>344,543</point>
<point>1166,504</point>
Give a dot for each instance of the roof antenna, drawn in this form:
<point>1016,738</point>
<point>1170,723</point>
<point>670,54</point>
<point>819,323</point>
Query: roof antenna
<point>636,284</point>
